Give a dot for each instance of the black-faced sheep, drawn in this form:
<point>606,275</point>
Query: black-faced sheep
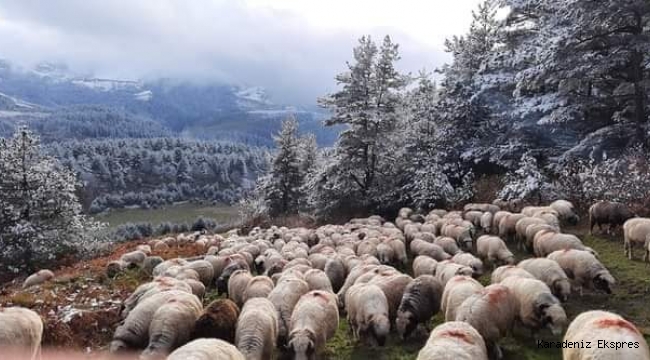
<point>584,270</point>
<point>420,302</point>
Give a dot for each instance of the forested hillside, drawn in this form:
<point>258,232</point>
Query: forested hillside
<point>543,99</point>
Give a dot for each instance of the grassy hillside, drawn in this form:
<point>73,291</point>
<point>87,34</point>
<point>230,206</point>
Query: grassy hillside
<point>83,299</point>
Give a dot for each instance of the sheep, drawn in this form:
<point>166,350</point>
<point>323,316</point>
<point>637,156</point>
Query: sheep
<point>420,302</point>
<point>405,212</point>
<point>421,247</point>
<point>134,331</point>
<point>566,211</point>
<point>471,261</point>
<point>115,267</point>
<point>257,329</point>
<point>545,242</point>
<point>38,278</point>
<point>612,213</point>
<point>204,269</point>
<point>206,349</point>
<point>165,265</point>
<point>454,340</point>
<point>367,311</point>
<point>636,232</point>
<point>351,279</point>
<point>513,205</point>
<point>549,272</point>
<point>314,321</point>
<point>522,225</point>
<point>385,253</point>
<point>474,217</point>
<point>584,270</point>
<point>447,244</point>
<point>21,327</point>
<point>172,324</point>
<point>197,287</point>
<point>445,270</point>
<point>150,263</point>
<point>134,257</point>
<point>237,283</point>
<point>462,234</point>
<point>492,312</point>
<point>393,286</point>
<point>318,280</point>
<point>507,225</point>
<point>258,286</point>
<point>494,250</point>
<point>531,232</point>
<point>506,271</point>
<point>532,210</point>
<point>538,308</point>
<point>146,290</point>
<point>224,278</point>
<point>481,208</point>
<point>399,251</point>
<point>424,265</point>
<point>284,296</point>
<point>336,272</point>
<point>598,327</point>
<point>144,248</point>
<point>457,289</point>
<point>486,222</point>
<point>218,320</point>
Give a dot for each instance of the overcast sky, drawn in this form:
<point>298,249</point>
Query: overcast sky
<point>292,47</point>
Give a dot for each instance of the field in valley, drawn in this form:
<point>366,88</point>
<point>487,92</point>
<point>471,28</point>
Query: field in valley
<point>80,307</point>
<point>179,213</point>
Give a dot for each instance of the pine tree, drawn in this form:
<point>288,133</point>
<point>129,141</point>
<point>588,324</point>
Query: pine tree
<point>367,104</point>
<point>41,216</point>
<point>281,190</point>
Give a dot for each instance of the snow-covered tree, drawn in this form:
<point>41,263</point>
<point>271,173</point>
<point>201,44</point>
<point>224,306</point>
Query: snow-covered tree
<point>281,188</point>
<point>367,105</point>
<point>41,216</point>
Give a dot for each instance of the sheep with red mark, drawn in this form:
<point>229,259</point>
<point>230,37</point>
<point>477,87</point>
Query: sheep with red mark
<point>454,340</point>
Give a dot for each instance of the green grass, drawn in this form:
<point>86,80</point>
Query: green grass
<point>181,213</point>
<point>628,300</point>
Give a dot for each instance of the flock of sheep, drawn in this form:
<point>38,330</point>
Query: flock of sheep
<point>288,288</point>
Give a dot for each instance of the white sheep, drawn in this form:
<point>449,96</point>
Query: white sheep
<point>257,329</point>
<point>21,328</point>
<point>367,312</point>
<point>314,321</point>
<point>206,349</point>
<point>506,271</point>
<point>38,278</point>
<point>609,335</point>
<point>458,289</point>
<point>551,274</point>
<point>636,232</point>
<point>538,308</point>
<point>454,340</point>
<point>584,270</point>
<point>284,296</point>
<point>494,250</point>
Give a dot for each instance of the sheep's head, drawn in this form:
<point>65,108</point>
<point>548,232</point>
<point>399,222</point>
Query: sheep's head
<point>562,289</point>
<point>604,282</point>
<point>550,313</point>
<point>466,243</point>
<point>302,343</point>
<point>406,323</point>
<point>380,328</point>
